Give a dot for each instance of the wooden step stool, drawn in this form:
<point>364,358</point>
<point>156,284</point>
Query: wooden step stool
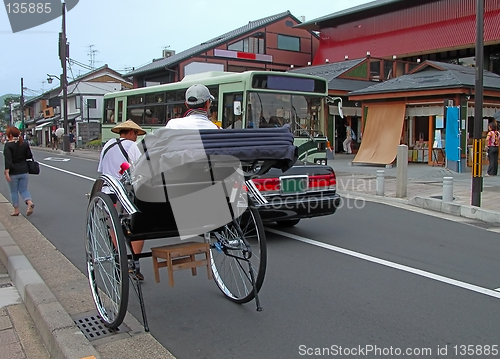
<point>180,256</point>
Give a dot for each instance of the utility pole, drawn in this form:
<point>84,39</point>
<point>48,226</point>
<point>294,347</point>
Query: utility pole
<point>22,105</point>
<point>88,122</point>
<point>477,166</point>
<point>63,54</point>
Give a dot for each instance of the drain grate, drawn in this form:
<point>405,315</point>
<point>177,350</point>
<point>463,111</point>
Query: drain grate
<point>93,327</point>
<point>5,285</point>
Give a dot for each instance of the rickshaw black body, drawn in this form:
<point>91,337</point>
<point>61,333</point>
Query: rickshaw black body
<point>111,229</point>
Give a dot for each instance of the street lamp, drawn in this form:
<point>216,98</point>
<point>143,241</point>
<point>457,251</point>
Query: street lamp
<point>50,78</point>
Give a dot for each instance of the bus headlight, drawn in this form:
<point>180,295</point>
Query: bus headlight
<point>320,161</point>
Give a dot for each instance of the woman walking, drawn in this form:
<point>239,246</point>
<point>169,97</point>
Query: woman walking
<point>16,152</point>
<point>492,143</point>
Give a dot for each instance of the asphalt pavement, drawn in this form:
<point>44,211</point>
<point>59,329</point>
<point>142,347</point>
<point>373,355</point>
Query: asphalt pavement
<point>35,324</point>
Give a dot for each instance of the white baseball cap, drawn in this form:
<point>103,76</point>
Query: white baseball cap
<point>198,94</point>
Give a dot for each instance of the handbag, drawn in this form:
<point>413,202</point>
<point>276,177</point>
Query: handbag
<point>33,167</point>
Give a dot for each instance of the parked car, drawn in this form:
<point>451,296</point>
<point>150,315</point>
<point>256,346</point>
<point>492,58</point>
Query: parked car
<point>304,191</point>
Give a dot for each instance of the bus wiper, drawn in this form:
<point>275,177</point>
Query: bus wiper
<point>297,127</point>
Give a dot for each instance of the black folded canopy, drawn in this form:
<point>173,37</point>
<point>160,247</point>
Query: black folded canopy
<point>175,147</point>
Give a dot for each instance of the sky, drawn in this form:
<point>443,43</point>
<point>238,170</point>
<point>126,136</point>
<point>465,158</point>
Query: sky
<point>130,33</point>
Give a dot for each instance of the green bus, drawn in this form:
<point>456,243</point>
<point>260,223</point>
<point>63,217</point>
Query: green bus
<point>251,99</point>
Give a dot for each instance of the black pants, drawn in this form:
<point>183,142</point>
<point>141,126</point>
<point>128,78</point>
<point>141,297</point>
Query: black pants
<point>493,161</point>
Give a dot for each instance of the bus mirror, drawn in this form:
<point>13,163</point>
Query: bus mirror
<point>341,113</point>
<point>237,108</point>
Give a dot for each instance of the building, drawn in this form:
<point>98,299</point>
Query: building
<point>271,43</point>
<point>438,30</point>
<point>441,31</point>
<point>412,109</point>
<point>85,93</point>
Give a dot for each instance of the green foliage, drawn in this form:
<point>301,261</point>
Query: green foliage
<point>8,98</point>
<point>95,144</point>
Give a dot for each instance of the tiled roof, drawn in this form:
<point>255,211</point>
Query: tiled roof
<point>328,71</point>
<point>433,75</point>
<point>331,71</point>
<point>210,44</point>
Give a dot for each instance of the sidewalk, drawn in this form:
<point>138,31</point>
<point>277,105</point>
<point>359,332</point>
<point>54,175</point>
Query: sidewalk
<point>424,187</point>
<point>40,306</point>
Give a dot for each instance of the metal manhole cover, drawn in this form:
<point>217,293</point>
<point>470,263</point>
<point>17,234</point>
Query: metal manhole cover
<point>93,327</point>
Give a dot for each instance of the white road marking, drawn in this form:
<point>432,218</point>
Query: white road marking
<point>68,172</point>
<point>422,273</point>
<point>498,289</point>
<point>56,159</point>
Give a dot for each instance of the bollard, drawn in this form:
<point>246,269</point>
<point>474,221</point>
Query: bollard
<point>447,189</point>
<point>380,182</point>
<point>402,176</point>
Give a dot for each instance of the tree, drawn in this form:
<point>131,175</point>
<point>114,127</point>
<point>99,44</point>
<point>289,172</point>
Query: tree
<point>5,108</point>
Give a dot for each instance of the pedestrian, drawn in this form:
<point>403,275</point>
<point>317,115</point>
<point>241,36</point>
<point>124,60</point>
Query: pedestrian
<point>113,154</point>
<point>72,140</point>
<point>16,151</point>
<point>198,102</point>
<point>492,143</point>
<point>348,139</point>
<point>54,140</point>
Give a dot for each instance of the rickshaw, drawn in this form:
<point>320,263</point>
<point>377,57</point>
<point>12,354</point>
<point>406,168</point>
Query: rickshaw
<point>205,172</point>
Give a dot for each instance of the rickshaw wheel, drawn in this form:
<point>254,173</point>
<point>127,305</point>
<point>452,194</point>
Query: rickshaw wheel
<point>106,260</point>
<point>230,270</point>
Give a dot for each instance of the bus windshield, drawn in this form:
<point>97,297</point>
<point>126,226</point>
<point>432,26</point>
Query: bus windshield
<point>275,110</point>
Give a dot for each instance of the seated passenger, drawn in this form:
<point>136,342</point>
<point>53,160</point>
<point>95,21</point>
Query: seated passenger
<point>198,101</point>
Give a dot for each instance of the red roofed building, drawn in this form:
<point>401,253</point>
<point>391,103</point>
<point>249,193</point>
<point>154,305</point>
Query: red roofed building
<point>440,30</point>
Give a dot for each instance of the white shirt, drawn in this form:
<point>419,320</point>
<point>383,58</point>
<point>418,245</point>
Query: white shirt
<point>194,121</point>
<point>110,165</point>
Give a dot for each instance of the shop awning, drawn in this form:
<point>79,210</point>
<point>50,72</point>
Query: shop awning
<point>382,134</point>
<point>347,111</point>
<point>40,127</point>
<point>52,120</point>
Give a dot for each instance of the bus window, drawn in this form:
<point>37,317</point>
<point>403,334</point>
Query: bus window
<point>135,114</point>
<point>155,115</point>
<point>275,110</point>
<point>120,111</point>
<point>229,119</point>
<point>109,105</point>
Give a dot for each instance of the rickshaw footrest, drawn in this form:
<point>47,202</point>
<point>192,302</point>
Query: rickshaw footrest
<point>180,256</point>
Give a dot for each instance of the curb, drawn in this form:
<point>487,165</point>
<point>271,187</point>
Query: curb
<point>61,337</point>
<point>435,205</point>
<point>456,209</point>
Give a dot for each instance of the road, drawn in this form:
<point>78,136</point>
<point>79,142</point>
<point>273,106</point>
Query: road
<point>371,277</point>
